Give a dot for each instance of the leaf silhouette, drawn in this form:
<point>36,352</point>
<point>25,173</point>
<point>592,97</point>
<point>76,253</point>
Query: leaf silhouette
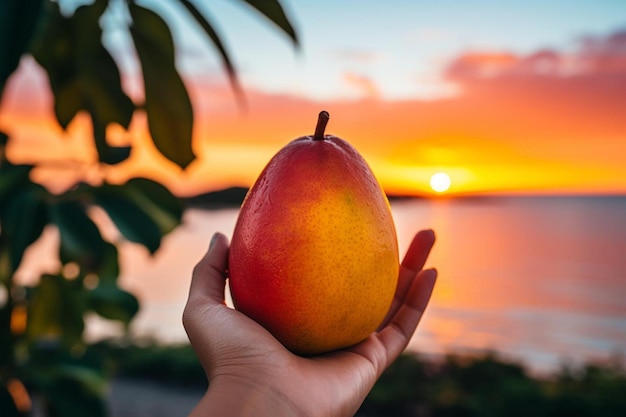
<point>113,303</point>
<point>98,76</point>
<point>158,202</point>
<point>273,10</point>
<point>81,240</point>
<point>167,103</point>
<point>56,311</point>
<point>130,219</point>
<point>18,22</point>
<point>24,219</point>
<point>82,73</point>
<point>54,51</point>
<point>210,31</point>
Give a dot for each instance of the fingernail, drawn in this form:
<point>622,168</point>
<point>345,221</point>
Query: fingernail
<point>432,272</point>
<point>213,240</point>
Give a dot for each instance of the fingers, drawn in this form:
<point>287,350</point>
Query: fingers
<point>414,289</point>
<point>206,295</point>
<point>382,348</point>
<point>396,335</point>
<point>412,263</point>
<point>208,279</point>
<point>418,251</point>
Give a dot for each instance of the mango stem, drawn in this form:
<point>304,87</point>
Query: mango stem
<point>322,121</point>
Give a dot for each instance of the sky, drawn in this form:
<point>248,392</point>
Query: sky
<point>501,96</point>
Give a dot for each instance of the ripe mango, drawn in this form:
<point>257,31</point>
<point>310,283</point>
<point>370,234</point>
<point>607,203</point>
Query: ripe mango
<point>314,253</point>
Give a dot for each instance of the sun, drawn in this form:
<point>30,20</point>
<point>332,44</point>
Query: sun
<point>440,182</point>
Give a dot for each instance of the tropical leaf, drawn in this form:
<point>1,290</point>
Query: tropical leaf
<point>24,218</point>
<point>81,240</point>
<point>54,51</point>
<point>73,391</point>
<point>157,201</point>
<point>67,99</point>
<point>98,75</point>
<point>6,348</point>
<point>56,312</point>
<point>273,10</point>
<point>210,31</point>
<point>167,103</point>
<point>111,302</point>
<point>110,269</point>
<point>91,379</point>
<point>18,22</point>
<point>7,405</point>
<point>12,178</point>
<point>106,153</point>
<point>83,75</point>
<point>132,222</point>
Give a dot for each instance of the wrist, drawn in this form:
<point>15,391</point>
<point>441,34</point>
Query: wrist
<point>238,397</point>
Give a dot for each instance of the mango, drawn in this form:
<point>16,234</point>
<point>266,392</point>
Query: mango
<point>314,253</point>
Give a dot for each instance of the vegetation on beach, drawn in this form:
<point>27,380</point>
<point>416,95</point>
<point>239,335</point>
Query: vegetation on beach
<point>451,386</point>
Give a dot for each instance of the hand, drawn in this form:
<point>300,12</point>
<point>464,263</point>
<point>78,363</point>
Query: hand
<point>252,374</point>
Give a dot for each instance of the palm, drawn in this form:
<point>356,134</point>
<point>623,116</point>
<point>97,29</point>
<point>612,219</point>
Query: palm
<point>233,346</point>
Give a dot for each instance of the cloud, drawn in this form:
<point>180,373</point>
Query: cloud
<point>595,55</point>
<point>363,85</point>
<point>358,56</point>
<point>480,65</point>
<point>549,119</point>
<point>606,55</point>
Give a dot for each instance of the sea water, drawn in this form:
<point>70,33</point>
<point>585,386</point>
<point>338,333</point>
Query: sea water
<point>537,279</point>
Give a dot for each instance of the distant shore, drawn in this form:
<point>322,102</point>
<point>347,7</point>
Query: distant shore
<point>233,197</point>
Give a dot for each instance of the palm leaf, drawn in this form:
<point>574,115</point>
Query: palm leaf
<point>210,31</point>
<point>273,10</point>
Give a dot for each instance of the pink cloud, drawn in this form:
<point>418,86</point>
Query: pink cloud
<point>362,84</point>
<point>595,55</point>
<point>560,109</point>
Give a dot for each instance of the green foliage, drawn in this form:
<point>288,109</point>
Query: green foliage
<point>487,386</point>
<point>453,386</point>
<point>273,10</point>
<point>68,382</point>
<point>56,312</point>
<point>270,9</point>
<point>18,21</point>
<point>111,302</point>
<point>129,217</point>
<point>83,74</point>
<point>23,212</point>
<point>80,237</point>
<point>213,36</point>
<point>46,321</point>
<point>171,364</point>
<point>167,105</point>
<point>7,405</point>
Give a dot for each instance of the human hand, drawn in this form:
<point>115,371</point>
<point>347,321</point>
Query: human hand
<point>253,374</point>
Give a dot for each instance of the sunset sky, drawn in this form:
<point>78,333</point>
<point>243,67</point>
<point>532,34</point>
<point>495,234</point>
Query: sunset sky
<point>526,96</point>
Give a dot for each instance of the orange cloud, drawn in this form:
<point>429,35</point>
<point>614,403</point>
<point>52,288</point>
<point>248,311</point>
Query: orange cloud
<point>543,122</point>
<point>481,64</point>
<point>595,56</point>
<point>362,84</point>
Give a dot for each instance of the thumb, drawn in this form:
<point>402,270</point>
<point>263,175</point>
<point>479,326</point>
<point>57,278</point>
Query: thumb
<point>209,275</point>
<point>206,295</point>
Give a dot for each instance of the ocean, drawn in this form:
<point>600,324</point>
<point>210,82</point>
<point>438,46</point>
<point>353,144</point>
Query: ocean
<point>540,280</point>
